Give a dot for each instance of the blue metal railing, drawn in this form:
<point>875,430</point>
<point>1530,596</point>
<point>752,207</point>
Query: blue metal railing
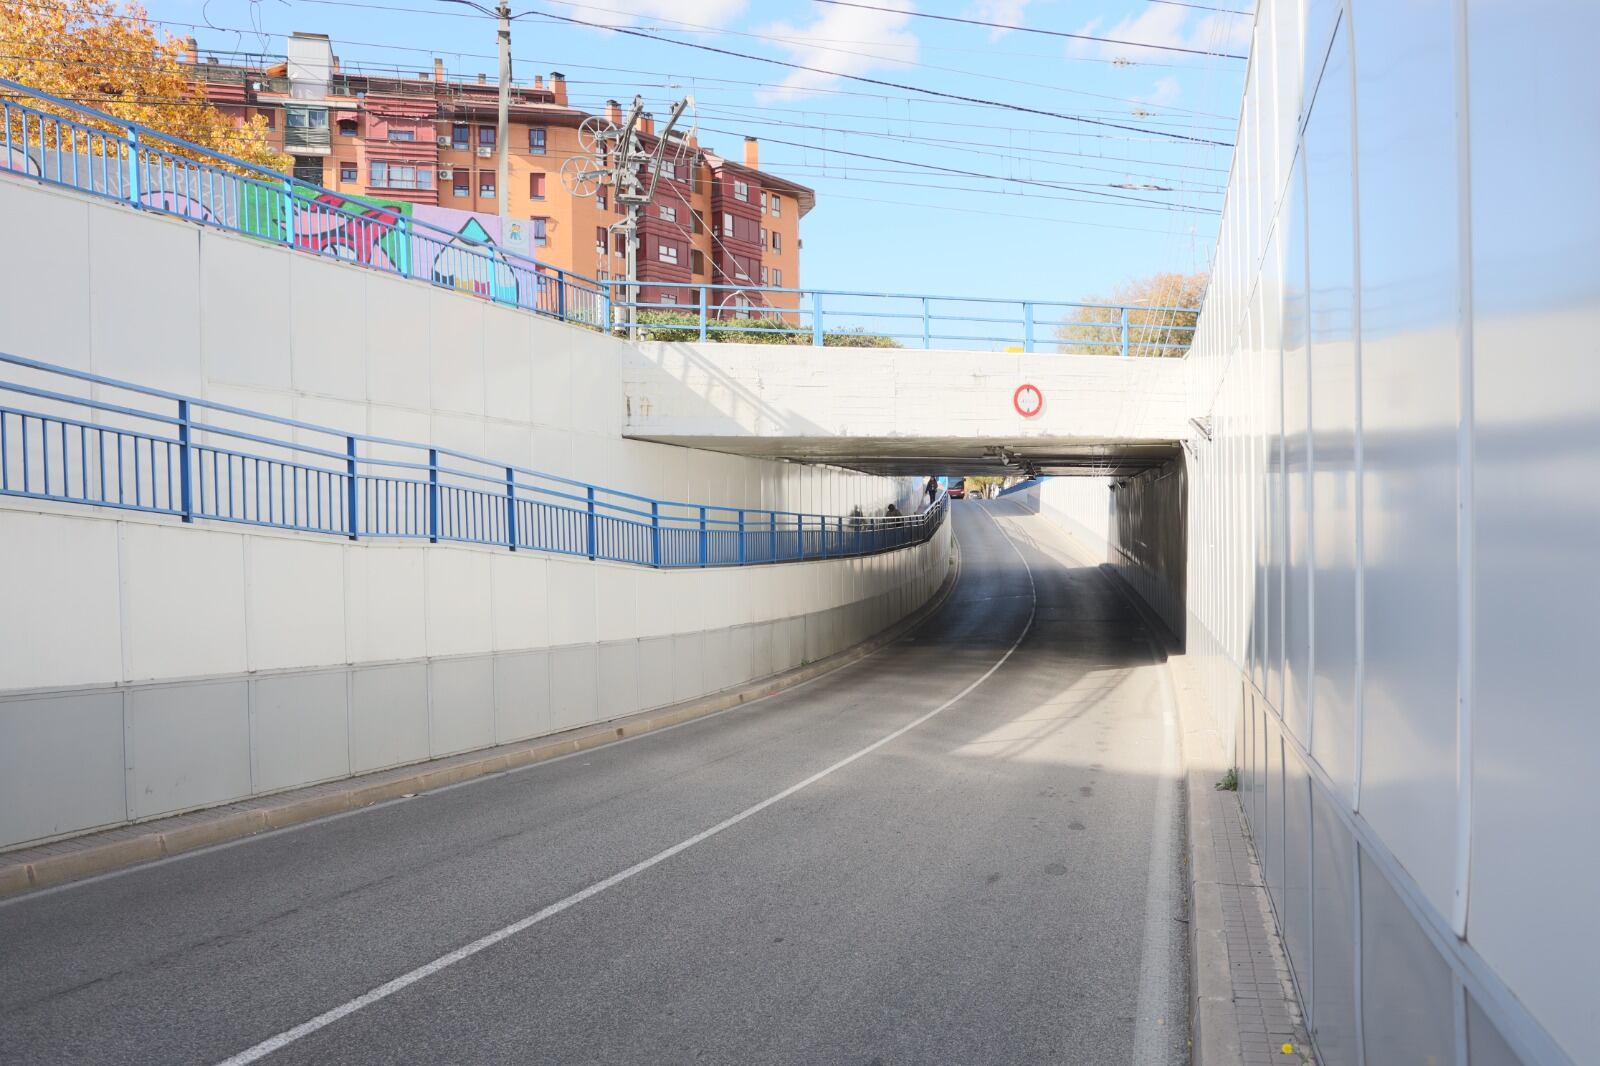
<point>96,153</point>
<point>93,152</point>
<point>145,449</point>
<point>841,318</point>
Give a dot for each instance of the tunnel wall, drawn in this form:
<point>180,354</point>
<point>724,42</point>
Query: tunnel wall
<point>149,667</point>
<point>1393,525</point>
<point>1136,525</point>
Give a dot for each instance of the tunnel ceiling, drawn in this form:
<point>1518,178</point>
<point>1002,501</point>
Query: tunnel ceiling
<point>946,455</point>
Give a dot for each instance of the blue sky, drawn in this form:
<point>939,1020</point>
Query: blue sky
<point>962,198</point>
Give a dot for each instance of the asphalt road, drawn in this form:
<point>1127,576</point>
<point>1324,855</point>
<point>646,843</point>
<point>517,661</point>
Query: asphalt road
<point>962,849</point>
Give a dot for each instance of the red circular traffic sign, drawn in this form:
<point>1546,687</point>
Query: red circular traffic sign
<point>1028,400</point>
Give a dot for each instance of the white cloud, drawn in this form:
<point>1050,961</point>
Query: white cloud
<point>1009,12</point>
<point>1166,91</point>
<point>861,40</point>
<point>629,12</point>
<point>1166,25</point>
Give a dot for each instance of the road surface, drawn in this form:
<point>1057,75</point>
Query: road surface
<point>961,849</point>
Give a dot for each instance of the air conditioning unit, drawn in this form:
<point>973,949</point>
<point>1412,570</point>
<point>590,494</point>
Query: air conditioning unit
<point>445,173</point>
<point>485,153</point>
<point>444,142</point>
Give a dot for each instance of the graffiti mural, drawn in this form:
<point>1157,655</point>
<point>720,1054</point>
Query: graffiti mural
<point>471,261</point>
<point>357,230</point>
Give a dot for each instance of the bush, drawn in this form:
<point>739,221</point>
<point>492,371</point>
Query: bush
<point>679,326</point>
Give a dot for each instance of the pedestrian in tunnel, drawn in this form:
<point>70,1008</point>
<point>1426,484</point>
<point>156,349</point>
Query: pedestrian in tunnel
<point>931,489</point>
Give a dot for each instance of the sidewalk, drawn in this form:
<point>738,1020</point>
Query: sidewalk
<point>1243,1005</point>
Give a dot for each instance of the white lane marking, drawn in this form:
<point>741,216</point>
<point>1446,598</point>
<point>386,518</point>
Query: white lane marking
<point>466,951</point>
<point>1157,1019</point>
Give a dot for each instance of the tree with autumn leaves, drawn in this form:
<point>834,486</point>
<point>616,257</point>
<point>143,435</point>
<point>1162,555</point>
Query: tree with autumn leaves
<point>1157,318</point>
<point>110,57</point>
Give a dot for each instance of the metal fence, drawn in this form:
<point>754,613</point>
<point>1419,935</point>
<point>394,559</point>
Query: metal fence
<point>844,319</point>
<point>144,449</point>
<point>63,143</point>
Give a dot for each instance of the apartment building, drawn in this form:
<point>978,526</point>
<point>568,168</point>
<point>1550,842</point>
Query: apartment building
<point>428,146</point>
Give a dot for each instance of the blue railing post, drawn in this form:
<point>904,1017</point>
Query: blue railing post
<point>350,483</point>
<point>134,195</point>
<point>589,532</point>
<point>1027,327</point>
<point>561,295</point>
<point>185,486</point>
<point>1124,319</point>
<point>605,306</point>
<point>817,337</point>
<point>433,495</point>
<point>741,536</point>
<point>703,298</point>
<point>860,530</point>
<point>702,536</point>
<point>655,534</point>
<point>288,212</point>
<point>927,325</point>
<point>511,507</point>
<point>799,536</point>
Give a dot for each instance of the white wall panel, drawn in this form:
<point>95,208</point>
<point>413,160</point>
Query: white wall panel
<point>145,323</point>
<point>59,576</point>
<point>461,704</point>
<point>61,764</point>
<point>188,746</point>
<point>458,589</point>
<point>398,345</point>
<point>183,603</point>
<point>521,695</point>
<point>51,279</point>
<point>328,320</point>
<point>520,611</point>
<point>300,729</point>
<point>385,603</point>
<point>1535,855</point>
<point>1410,366</point>
<point>245,311</point>
<point>294,602</point>
<point>388,716</point>
<point>455,331</point>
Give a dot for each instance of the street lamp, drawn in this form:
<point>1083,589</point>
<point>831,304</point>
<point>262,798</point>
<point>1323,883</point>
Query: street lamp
<point>502,184</point>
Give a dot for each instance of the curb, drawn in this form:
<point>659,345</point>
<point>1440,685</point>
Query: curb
<point>93,860</point>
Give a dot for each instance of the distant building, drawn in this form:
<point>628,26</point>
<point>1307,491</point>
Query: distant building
<point>430,143</point>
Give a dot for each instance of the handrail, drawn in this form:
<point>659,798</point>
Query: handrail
<point>137,453</point>
<point>154,171</point>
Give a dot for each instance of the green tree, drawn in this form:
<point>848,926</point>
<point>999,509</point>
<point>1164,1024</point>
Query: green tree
<point>1153,322</point>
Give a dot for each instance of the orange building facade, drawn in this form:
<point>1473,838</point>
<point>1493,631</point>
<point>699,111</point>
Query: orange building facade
<point>432,141</point>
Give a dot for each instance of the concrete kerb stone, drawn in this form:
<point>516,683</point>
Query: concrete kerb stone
<point>20,877</point>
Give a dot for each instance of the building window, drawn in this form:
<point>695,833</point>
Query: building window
<point>399,176</point>
<point>669,169</point>
<point>600,198</point>
<point>763,231</point>
<point>621,245</point>
<point>667,252</point>
<point>541,232</point>
<point>763,203</point>
<point>347,127</point>
<point>397,135</point>
<point>599,240</point>
<point>777,278</point>
<point>669,297</point>
<point>777,241</point>
<point>461,136</point>
<point>270,115</point>
<point>347,172</point>
<point>697,261</point>
<point>669,213</point>
<point>741,191</point>
<point>727,224</point>
<point>536,139</point>
<point>777,206</point>
<point>763,275</point>
<point>698,222</point>
<point>486,186</point>
<point>308,168</point>
<point>462,186</point>
<point>485,136</point>
<point>536,186</point>
<point>305,118</point>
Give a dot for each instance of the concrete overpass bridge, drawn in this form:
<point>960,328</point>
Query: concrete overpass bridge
<point>1344,548</point>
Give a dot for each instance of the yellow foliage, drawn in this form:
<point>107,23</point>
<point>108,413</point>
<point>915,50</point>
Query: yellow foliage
<point>109,57</point>
<point>1098,330</point>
